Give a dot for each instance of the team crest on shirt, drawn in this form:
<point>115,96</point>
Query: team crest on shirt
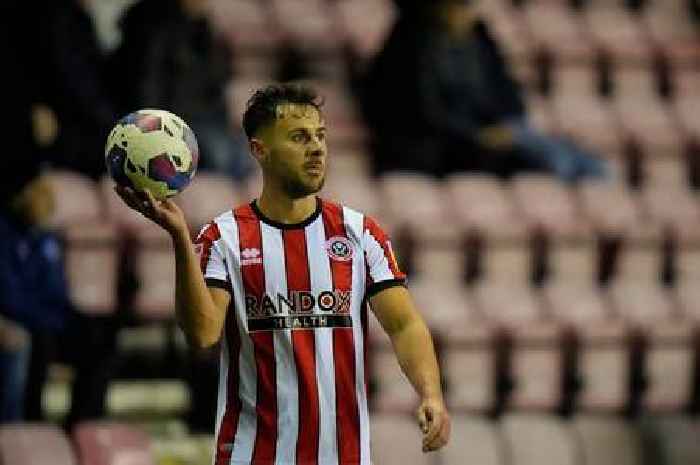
<point>339,248</point>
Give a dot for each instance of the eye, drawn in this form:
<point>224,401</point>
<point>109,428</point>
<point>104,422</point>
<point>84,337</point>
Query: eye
<point>299,137</point>
<point>321,136</point>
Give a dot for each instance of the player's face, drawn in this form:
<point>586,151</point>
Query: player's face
<point>296,145</point>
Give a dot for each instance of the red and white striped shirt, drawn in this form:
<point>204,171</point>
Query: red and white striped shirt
<point>293,382</point>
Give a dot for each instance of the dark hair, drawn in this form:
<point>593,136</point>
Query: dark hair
<point>261,109</point>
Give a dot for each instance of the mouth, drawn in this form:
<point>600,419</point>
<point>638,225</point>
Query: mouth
<point>316,168</point>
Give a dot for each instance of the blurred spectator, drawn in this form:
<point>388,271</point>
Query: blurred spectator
<point>15,349</point>
<point>468,113</point>
<point>170,59</point>
<point>34,299</point>
<point>75,81</point>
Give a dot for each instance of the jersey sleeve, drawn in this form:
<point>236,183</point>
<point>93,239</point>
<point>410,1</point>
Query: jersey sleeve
<point>211,258</point>
<point>382,269</point>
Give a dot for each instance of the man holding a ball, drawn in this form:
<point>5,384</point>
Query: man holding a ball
<point>287,280</point>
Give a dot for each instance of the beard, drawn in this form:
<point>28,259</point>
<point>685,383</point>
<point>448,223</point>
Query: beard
<point>297,188</point>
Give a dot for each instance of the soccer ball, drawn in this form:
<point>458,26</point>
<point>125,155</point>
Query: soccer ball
<point>154,150</point>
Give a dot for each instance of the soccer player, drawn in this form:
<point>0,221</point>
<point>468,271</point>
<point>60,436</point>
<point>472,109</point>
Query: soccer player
<point>287,279</point>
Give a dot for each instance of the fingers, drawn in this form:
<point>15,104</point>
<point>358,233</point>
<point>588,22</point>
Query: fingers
<point>129,197</point>
<point>422,420</point>
<point>437,431</point>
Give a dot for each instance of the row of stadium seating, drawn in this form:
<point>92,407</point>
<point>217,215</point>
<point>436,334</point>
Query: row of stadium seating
<point>323,28</point>
<point>515,439</point>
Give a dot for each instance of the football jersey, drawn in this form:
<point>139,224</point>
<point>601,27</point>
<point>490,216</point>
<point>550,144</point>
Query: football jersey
<point>293,379</point>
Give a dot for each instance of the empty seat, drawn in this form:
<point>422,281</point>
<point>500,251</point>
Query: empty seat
<point>537,439</point>
<point>396,440</point>
<point>154,267</point>
<point>246,23</point>
<point>443,303</point>
<point>208,196</point>
<point>601,362</point>
<point>611,208</point>
<point>536,362</point>
<point>556,27</point>
<point>125,218</point>
<point>607,440</point>
<point>34,444</point>
<point>547,204</point>
<point>366,24</point>
<point>307,23</point>
<point>417,202</point>
<point>666,172</point>
<point>592,124</point>
<point>76,199</point>
<point>106,443</point>
<point>671,27</point>
<point>669,353</point>
<point>474,440</point>
<point>357,193</point>
<point>616,30</point>
<point>673,209</point>
<point>92,260</point>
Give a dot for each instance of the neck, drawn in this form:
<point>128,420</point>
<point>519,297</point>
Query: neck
<point>281,208</point>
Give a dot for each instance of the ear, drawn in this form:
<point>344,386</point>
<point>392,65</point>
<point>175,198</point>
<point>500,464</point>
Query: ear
<point>258,149</point>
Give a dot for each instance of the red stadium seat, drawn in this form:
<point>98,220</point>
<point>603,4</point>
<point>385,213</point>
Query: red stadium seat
<point>92,260</point>
<point>474,440</point>
<point>396,440</point>
<point>34,444</point>
<point>208,196</point>
<point>537,439</point>
<point>112,444</point>
<point>602,361</point>
<point>77,199</point>
<point>427,205</point>
<point>607,440</point>
<point>536,362</point>
<point>547,204</point>
<point>555,26</point>
<point>668,365</point>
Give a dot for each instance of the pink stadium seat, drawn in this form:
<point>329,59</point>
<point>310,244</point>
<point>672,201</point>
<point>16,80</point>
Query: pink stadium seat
<point>77,199</point>
<point>602,364</point>
<point>155,271</point>
<point>247,24</point>
<point>593,124</point>
<point>443,304</point>
<point>547,204</point>
<point>92,257</point>
<point>616,30</point>
<point>34,444</point>
<point>118,212</point>
<point>686,82</point>
<point>670,26</point>
<point>675,209</point>
<point>474,440</point>
<point>669,351</point>
<point>308,23</point>
<point>610,208</point>
<point>207,196</point>
<point>107,443</point>
<point>396,440</point>
<point>574,262</point>
<point>686,107</point>
<point>469,364</point>
<point>554,26</point>
<point>482,205</point>
<point>536,439</point>
<point>439,265</point>
<point>607,440</point>
<point>394,391</point>
<point>366,24</point>
<point>427,205</point>
<point>666,172</point>
<point>536,362</point>
<point>358,193</point>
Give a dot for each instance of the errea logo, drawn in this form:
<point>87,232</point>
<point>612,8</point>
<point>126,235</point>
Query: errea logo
<point>250,256</point>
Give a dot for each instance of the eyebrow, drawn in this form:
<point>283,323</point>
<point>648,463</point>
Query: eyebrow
<point>293,130</point>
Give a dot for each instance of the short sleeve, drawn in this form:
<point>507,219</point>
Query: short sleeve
<point>382,269</point>
<point>211,258</point>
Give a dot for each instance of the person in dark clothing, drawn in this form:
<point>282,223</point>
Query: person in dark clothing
<point>468,113</point>
<point>169,58</point>
<point>34,297</point>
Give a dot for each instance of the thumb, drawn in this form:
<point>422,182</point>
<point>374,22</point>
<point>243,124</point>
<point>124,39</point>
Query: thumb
<point>422,419</point>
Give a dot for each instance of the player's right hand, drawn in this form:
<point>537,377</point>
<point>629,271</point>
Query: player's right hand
<point>164,213</point>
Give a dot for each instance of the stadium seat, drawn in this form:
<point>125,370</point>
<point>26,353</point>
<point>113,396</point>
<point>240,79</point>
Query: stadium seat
<point>155,271</point>
<point>207,196</point>
<point>666,172</point>
<point>308,24</point>
<point>365,24</point>
<point>509,29</point>
<point>470,364</point>
<point>427,205</point>
<point>593,124</point>
<point>554,26</point>
<point>536,439</point>
<point>670,27</point>
<point>616,30</point>
<point>474,440</point>
<point>247,24</point>
<point>358,193</point>
<point>668,358</point>
<point>601,364</point>
<point>547,204</point>
<point>442,303</point>
<point>77,199</point>
<point>394,392</point>
<point>673,209</point>
<point>396,440</point>
<point>126,219</point>
<point>535,361</point>
<point>92,260</point>
<point>34,444</point>
<point>610,208</point>
<point>105,443</point>
<point>607,440</point>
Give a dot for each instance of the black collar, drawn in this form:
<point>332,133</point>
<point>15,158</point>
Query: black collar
<point>277,224</point>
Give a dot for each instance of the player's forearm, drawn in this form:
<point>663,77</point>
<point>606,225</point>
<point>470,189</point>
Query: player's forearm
<point>416,354</point>
<point>194,308</point>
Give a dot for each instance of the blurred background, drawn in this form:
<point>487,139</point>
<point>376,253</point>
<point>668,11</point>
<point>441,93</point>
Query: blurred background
<point>536,161</point>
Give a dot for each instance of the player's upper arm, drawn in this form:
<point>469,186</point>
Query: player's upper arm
<point>382,269</point>
<point>221,298</point>
<point>394,309</point>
